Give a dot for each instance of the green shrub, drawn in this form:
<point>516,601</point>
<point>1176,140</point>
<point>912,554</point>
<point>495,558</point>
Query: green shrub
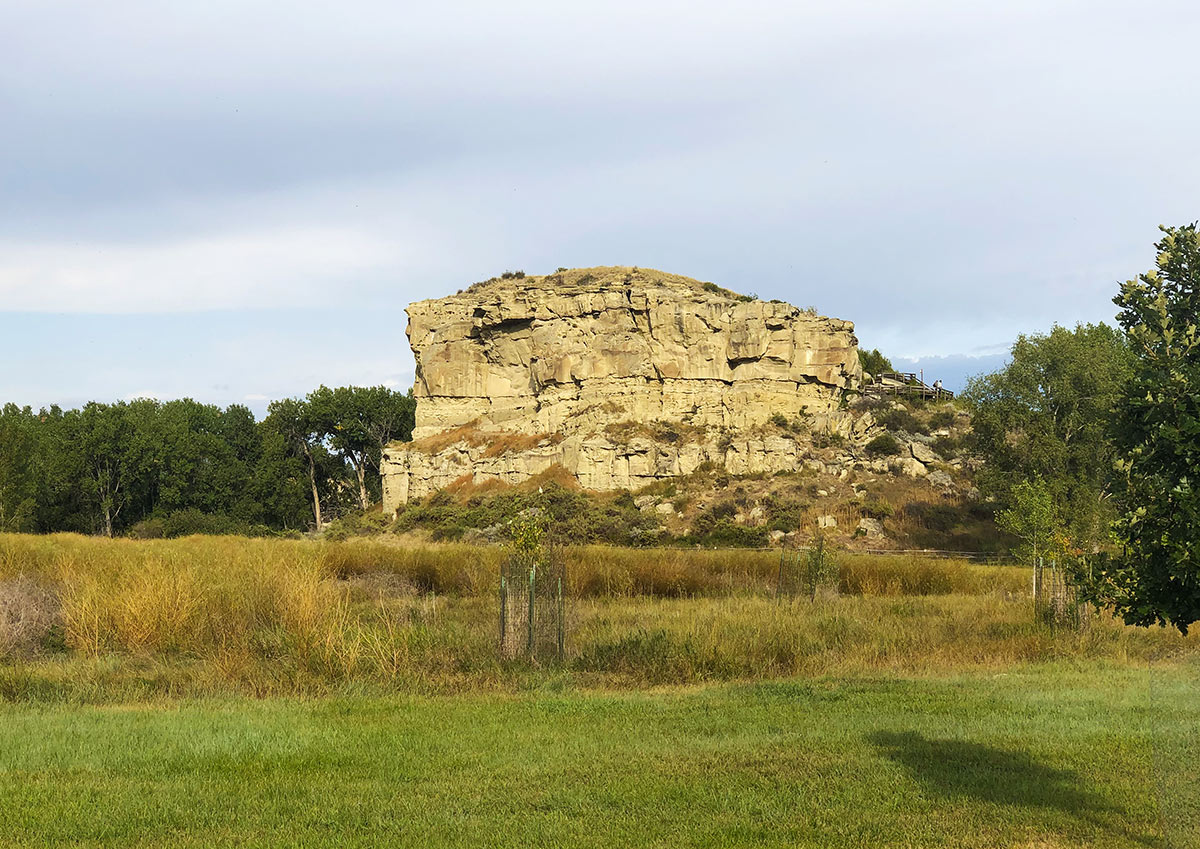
<point>723,509</point>
<point>934,517</point>
<point>785,514</point>
<point>797,425</point>
<point>729,534</point>
<point>942,418</point>
<point>152,528</point>
<point>898,419</point>
<point>715,527</point>
<point>726,293</point>
<point>884,445</point>
<point>358,523</point>
<point>875,508</point>
<point>946,446</point>
<point>829,439</point>
<point>575,517</point>
<point>188,522</point>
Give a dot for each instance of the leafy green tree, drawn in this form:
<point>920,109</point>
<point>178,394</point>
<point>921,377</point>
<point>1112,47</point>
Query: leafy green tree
<point>1032,518</point>
<point>205,458</point>
<point>280,485</point>
<point>1156,577</point>
<point>101,437</point>
<point>243,448</point>
<point>873,362</point>
<point>61,503</point>
<point>292,421</point>
<point>18,471</point>
<point>357,422</point>
<point>1045,417</point>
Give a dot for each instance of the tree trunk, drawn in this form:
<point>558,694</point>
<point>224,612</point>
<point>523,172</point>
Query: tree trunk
<point>364,500</point>
<point>312,479</point>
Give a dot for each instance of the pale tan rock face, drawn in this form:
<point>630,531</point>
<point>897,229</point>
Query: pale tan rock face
<point>574,354</point>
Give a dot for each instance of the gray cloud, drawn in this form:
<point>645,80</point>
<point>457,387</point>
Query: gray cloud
<point>945,174</point>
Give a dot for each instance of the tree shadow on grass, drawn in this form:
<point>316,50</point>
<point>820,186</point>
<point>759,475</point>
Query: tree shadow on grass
<point>953,768</point>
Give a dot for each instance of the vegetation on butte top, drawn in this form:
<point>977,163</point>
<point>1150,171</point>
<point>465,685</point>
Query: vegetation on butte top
<point>569,279</point>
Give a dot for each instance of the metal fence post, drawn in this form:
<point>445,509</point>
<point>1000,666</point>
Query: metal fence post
<point>503,614</point>
<point>532,578</point>
<point>561,617</point>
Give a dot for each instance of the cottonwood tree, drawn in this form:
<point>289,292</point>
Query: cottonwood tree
<point>1032,518</point>
<point>102,438</point>
<point>357,422</point>
<point>1156,576</point>
<point>18,478</point>
<point>292,420</point>
<point>280,487</point>
<point>1045,416</point>
<point>203,459</point>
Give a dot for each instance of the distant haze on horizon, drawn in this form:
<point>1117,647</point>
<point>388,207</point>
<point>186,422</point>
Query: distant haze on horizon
<point>234,201</point>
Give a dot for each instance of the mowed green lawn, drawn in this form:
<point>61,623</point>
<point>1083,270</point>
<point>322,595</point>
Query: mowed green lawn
<point>1044,756</point>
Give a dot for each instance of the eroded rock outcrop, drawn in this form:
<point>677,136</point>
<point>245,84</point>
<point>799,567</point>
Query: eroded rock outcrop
<point>621,376</point>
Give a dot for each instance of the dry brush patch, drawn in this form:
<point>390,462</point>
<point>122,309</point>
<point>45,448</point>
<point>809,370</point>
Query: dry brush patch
<point>29,616</point>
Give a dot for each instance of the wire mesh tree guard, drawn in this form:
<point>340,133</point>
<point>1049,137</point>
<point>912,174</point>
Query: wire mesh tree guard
<point>533,605</point>
<point>806,572</point>
<point>1056,598</point>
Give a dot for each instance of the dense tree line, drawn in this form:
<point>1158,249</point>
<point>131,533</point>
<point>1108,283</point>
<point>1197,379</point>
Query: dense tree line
<point>154,468</point>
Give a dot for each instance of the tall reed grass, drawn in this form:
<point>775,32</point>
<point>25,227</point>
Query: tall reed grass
<point>267,616</point>
<point>603,571</point>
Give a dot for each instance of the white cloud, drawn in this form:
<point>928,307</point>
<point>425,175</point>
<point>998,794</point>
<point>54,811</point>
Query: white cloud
<point>270,268</point>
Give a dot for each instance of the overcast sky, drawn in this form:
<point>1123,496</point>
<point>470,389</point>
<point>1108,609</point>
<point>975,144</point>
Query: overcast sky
<point>235,201</point>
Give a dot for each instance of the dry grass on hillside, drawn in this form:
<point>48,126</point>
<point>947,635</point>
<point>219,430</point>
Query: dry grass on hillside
<point>498,443</point>
<point>462,489</point>
<point>514,443</point>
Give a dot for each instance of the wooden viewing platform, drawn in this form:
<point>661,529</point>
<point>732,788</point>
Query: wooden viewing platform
<point>899,383</point>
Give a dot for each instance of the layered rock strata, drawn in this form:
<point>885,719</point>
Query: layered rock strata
<point>622,376</point>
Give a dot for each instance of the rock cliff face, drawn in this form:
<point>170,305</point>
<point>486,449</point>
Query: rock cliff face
<point>622,376</point>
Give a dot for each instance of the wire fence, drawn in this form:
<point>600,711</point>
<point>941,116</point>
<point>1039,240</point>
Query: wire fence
<point>982,557</point>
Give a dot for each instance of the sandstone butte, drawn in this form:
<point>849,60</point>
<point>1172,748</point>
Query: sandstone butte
<point>620,376</point>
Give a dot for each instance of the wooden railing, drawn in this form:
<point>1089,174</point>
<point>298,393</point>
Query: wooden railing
<point>902,383</point>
